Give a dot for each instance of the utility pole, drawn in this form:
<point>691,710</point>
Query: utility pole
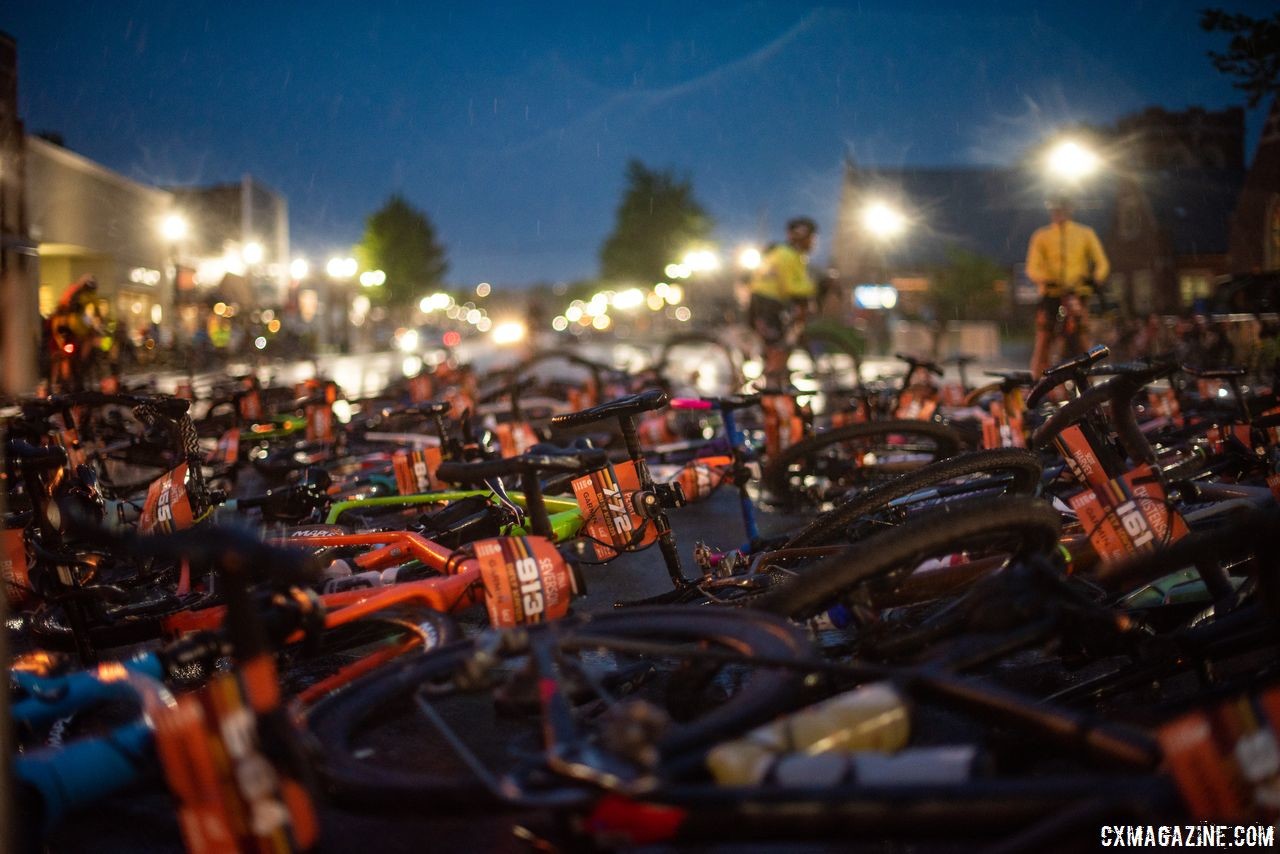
<point>19,338</point>
<point>19,263</point>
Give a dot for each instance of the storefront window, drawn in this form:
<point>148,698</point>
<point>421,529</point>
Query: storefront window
<point>1194,286</point>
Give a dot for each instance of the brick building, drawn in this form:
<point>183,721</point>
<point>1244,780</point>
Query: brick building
<point>1255,222</point>
<point>1177,178</point>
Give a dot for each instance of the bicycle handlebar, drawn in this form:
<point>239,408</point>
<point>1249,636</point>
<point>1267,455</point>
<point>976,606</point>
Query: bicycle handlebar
<point>913,363</point>
<point>429,408</point>
<point>167,405</point>
<point>1071,369</point>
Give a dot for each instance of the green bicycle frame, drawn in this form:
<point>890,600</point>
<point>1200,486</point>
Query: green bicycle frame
<point>566,518</point>
<point>285,426</point>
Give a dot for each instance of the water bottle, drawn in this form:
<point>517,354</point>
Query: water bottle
<point>338,568</point>
<point>357,581</point>
<point>919,766</point>
<point>871,717</point>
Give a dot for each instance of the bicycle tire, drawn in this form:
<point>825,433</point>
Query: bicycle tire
<point>827,528</point>
<point>1033,523</point>
<point>972,397</point>
<point>337,719</point>
<point>684,339</point>
<point>48,627</point>
<point>947,443</point>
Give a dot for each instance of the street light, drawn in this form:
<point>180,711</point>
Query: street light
<point>701,260</point>
<point>252,252</point>
<point>882,220</point>
<point>298,268</point>
<point>372,278</point>
<point>1071,161</point>
<point>749,258</point>
<point>628,299</point>
<point>174,227</point>
<point>509,332</point>
<point>341,268</point>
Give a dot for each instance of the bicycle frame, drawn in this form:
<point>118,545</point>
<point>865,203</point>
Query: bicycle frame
<point>566,518</point>
<point>739,448</point>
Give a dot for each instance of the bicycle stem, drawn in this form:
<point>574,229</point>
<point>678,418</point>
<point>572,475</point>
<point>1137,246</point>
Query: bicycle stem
<point>666,539</point>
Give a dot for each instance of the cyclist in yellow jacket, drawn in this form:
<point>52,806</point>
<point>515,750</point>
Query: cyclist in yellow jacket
<point>781,290</point>
<point>1066,261</point>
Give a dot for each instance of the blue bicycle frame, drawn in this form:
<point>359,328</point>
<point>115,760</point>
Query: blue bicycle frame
<point>86,770</point>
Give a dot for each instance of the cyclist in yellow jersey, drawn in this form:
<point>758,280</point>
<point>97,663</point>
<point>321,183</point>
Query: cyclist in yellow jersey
<point>1066,261</point>
<point>781,290</point>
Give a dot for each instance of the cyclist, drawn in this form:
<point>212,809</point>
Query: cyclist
<point>74,333</point>
<point>1066,261</point>
<point>781,290</point>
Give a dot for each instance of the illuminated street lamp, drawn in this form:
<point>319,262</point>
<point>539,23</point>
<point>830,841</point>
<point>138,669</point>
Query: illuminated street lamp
<point>341,268</point>
<point>252,252</point>
<point>1071,161</point>
<point>701,260</point>
<point>174,227</point>
<point>509,332</point>
<point>628,299</point>
<point>372,278</point>
<point>298,268</point>
<point>749,258</point>
<point>882,220</point>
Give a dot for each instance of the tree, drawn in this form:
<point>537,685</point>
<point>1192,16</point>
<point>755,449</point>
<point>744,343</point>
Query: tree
<point>400,240</point>
<point>1252,56</point>
<point>964,288</point>
<point>657,221</point>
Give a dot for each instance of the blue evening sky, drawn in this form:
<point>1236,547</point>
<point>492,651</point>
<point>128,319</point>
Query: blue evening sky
<point>511,123</point>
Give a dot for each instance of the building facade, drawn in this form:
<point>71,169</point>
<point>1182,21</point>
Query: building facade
<point>1179,180</point>
<point>1255,222</point>
<point>238,229</point>
<point>87,219</point>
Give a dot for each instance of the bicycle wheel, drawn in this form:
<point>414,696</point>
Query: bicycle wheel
<point>974,397</point>
<point>824,467</point>
<point>1011,471</point>
<point>1009,525</point>
<point>700,362</point>
<point>645,670</point>
<point>138,621</point>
